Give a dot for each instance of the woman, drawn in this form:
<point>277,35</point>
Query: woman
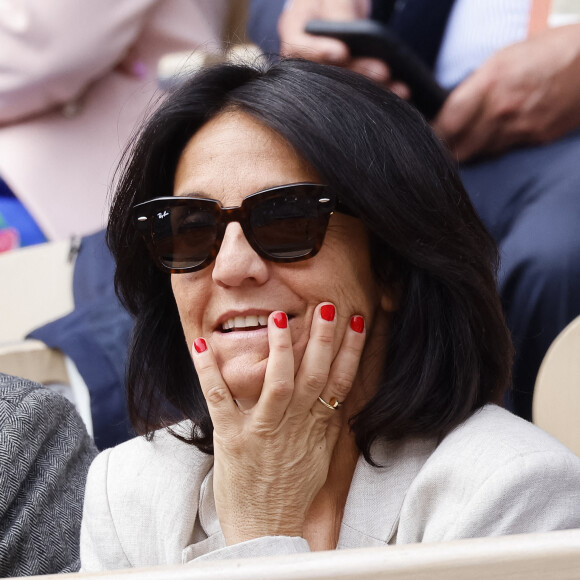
<point>344,325</point>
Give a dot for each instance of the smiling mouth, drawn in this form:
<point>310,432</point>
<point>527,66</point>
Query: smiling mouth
<point>251,322</point>
<point>245,323</point>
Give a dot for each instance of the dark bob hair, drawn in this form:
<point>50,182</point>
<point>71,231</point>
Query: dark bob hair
<point>449,351</point>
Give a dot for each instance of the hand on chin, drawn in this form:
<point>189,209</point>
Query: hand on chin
<point>244,376</point>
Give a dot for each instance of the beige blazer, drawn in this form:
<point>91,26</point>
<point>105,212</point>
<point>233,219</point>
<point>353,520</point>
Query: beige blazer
<point>151,503</point>
<point>69,100</point>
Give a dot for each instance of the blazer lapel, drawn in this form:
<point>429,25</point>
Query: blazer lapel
<point>376,495</point>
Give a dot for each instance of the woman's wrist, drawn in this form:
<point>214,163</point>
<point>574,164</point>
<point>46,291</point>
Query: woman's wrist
<point>238,534</point>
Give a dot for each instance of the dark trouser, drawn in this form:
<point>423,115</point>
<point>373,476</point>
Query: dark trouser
<point>530,201</point>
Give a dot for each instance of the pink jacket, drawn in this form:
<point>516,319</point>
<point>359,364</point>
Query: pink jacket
<point>68,104</point>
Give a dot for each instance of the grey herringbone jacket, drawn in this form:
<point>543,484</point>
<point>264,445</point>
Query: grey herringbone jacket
<point>45,453</point>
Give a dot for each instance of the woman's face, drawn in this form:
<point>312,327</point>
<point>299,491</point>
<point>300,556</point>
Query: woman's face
<point>229,158</point>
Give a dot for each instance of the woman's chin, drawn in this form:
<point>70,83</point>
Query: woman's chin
<point>245,381</point>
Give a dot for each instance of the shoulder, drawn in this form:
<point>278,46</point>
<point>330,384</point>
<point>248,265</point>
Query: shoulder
<point>45,453</point>
<point>36,423</point>
<point>494,474</point>
<point>492,438</point>
<point>24,396</point>
<point>163,459</point>
<point>135,469</point>
<point>141,502</point>
<point>140,465</point>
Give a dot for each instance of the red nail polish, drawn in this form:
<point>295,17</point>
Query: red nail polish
<point>280,319</point>
<point>327,312</point>
<point>199,345</point>
<point>357,323</point>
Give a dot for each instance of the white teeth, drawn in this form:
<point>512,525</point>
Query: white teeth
<point>250,321</point>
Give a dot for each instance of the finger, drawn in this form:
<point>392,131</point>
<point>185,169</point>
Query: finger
<point>315,365</point>
<point>478,140</point>
<point>297,13</point>
<point>221,405</point>
<point>279,379</point>
<point>400,89</point>
<point>344,367</point>
<point>295,42</point>
<point>486,131</point>
<point>380,72</point>
<point>460,110</point>
<point>500,140</point>
<point>373,68</point>
<point>318,49</point>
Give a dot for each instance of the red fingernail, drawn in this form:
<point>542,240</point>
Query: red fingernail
<point>199,345</point>
<point>280,320</point>
<point>357,323</point>
<point>327,312</point>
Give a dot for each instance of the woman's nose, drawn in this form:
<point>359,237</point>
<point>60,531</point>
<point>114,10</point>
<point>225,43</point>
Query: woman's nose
<point>236,261</point>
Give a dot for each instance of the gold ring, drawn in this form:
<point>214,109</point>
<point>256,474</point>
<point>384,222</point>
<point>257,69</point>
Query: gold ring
<point>334,404</point>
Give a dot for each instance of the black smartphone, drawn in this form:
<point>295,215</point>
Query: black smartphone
<point>373,39</point>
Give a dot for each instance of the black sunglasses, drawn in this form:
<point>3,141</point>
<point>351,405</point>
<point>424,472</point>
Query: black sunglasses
<point>282,224</point>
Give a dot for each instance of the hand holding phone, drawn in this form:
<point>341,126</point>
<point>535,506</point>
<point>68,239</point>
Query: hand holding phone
<point>371,39</point>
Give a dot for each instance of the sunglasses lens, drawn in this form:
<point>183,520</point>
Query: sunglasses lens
<point>184,237</point>
<point>288,226</point>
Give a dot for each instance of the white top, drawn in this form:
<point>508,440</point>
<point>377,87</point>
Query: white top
<point>151,503</point>
<point>475,30</point>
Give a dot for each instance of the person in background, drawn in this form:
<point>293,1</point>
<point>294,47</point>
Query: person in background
<point>512,120</point>
<point>45,453</point>
<point>75,79</point>
<point>319,346</point>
